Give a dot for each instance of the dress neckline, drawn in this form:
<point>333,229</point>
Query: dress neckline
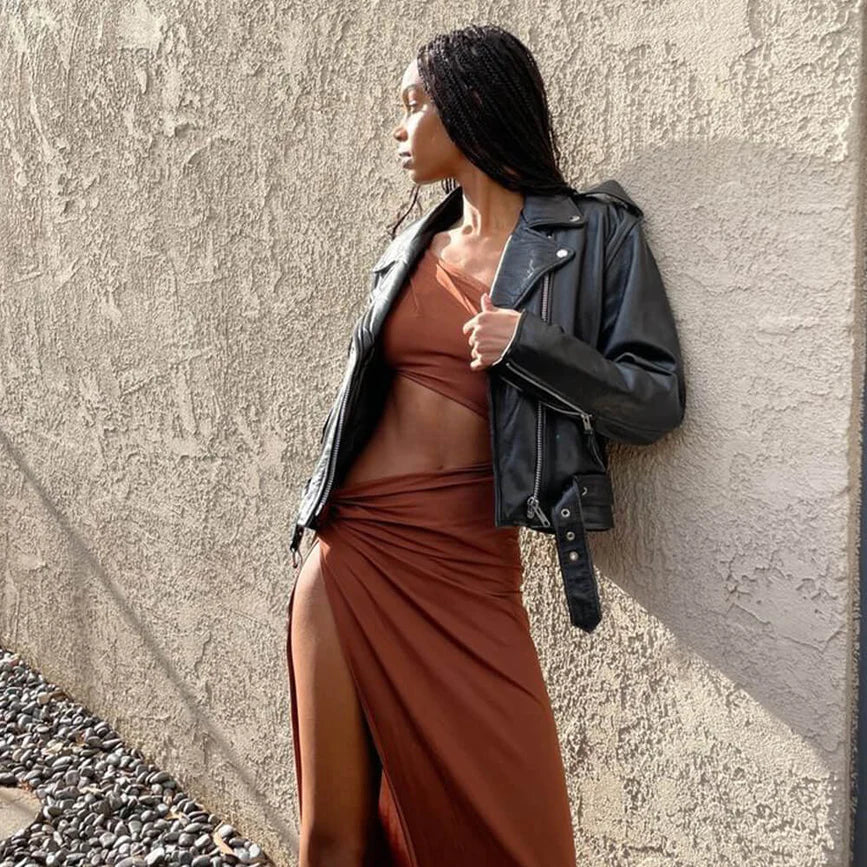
<point>458,271</point>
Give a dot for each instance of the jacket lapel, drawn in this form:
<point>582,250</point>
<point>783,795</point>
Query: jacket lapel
<point>528,254</point>
<point>401,254</point>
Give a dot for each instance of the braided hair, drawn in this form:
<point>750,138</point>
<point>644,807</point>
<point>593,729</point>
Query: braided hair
<point>488,91</point>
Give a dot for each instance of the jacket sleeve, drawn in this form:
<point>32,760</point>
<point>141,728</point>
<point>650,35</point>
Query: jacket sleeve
<point>632,385</point>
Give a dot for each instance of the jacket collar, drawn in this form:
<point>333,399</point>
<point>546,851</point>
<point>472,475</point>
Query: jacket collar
<point>528,255</point>
<point>560,209</point>
<point>557,210</point>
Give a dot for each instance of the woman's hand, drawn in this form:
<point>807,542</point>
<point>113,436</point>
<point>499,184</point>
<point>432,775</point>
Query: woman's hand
<point>490,330</point>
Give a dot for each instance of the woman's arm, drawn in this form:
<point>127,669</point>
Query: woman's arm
<point>632,384</point>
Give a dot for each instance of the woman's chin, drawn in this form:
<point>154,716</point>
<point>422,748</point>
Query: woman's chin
<point>422,178</point>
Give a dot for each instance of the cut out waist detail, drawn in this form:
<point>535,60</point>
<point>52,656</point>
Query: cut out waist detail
<point>421,431</point>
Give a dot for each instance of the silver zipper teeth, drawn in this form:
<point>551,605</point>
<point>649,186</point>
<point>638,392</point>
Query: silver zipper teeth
<point>585,416</point>
<point>533,507</point>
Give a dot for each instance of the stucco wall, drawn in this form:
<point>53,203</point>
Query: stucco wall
<point>189,191</point>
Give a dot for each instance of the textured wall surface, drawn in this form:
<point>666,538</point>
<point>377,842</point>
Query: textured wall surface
<point>190,196</point>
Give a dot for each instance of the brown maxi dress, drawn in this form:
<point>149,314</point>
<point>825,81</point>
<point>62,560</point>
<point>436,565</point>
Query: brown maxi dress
<point>426,596</point>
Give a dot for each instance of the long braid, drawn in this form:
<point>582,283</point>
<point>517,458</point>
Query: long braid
<point>490,95</point>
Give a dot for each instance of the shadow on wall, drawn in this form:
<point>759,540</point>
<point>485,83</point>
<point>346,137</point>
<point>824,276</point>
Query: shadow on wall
<point>734,530</point>
<point>82,560</point>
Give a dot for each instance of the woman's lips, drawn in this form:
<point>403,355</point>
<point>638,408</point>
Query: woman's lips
<point>404,159</point>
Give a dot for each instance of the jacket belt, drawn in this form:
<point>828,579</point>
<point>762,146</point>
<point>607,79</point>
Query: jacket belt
<point>576,564</point>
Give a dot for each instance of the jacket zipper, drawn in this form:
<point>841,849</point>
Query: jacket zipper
<point>491,419</point>
<point>585,416</point>
<point>533,505</point>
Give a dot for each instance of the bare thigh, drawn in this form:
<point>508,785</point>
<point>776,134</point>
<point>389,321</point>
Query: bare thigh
<point>340,768</point>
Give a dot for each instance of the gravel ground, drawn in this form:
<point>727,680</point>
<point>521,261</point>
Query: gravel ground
<point>102,803</point>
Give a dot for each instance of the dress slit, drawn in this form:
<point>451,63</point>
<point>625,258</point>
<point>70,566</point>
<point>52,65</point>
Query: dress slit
<point>390,845</point>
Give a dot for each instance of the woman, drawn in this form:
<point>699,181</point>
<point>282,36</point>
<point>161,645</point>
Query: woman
<point>422,726</point>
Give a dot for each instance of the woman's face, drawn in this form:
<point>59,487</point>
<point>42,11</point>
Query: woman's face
<point>424,147</point>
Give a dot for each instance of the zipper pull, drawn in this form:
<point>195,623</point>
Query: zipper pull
<point>295,543</point>
<point>586,419</point>
<point>533,508</point>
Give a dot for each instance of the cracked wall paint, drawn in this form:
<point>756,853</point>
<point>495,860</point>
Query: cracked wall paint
<point>190,199</point>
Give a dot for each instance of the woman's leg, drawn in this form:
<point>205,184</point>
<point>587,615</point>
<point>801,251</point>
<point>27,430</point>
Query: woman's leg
<point>341,774</point>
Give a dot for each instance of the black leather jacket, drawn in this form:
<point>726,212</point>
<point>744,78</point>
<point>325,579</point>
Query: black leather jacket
<point>595,357</point>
